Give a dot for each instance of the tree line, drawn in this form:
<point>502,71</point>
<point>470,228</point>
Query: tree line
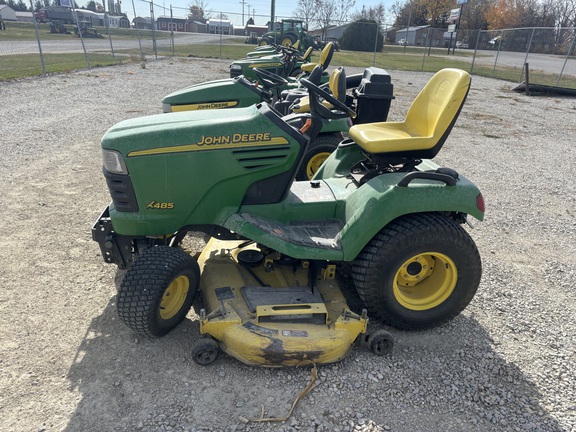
<point>476,14</point>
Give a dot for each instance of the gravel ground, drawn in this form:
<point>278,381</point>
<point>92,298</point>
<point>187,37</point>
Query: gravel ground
<point>68,364</point>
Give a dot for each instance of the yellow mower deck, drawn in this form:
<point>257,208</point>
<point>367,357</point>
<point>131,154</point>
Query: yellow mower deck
<point>265,313</point>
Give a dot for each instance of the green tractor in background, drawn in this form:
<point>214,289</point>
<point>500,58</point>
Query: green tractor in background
<point>289,32</point>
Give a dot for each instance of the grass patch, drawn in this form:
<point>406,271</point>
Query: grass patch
<point>26,32</point>
<point>392,57</point>
<point>25,65</point>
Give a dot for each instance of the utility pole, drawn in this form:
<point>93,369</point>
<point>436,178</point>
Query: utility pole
<point>243,2</point>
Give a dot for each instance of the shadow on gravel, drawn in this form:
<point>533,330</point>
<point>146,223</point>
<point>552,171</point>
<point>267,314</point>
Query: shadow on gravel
<point>451,378</point>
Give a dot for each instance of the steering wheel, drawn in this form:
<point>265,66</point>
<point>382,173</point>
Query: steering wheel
<point>291,51</point>
<point>269,79</point>
<point>316,92</point>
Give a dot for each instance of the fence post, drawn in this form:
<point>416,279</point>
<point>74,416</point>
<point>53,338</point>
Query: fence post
<point>38,40</point>
<point>153,23</point>
<point>475,51</point>
<point>498,52</point>
<point>527,51</point>
<point>138,32</point>
<point>108,28</point>
<point>567,57</point>
<point>220,34</point>
<point>375,45</point>
<point>172,30</point>
<point>425,43</point>
<point>75,15</point>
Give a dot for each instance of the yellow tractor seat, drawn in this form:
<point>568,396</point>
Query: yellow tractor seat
<point>325,59</point>
<point>427,124</point>
<point>307,54</point>
<point>296,44</point>
<point>337,86</point>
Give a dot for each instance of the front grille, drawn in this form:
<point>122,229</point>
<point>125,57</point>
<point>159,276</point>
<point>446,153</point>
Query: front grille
<point>122,192</point>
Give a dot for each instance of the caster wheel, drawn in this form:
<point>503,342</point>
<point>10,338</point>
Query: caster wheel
<point>380,342</point>
<point>205,351</point>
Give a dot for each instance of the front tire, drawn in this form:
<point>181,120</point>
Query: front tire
<point>317,152</point>
<point>264,42</point>
<point>418,272</point>
<point>158,290</point>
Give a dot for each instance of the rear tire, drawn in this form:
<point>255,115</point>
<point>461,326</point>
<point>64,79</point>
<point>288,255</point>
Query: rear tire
<point>288,41</point>
<point>418,272</point>
<point>316,153</point>
<point>158,290</point>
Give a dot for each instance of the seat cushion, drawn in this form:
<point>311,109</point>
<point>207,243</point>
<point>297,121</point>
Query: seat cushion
<point>308,67</point>
<point>389,137</point>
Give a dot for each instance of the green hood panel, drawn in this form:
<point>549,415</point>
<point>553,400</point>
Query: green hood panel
<point>188,175</point>
<point>226,93</point>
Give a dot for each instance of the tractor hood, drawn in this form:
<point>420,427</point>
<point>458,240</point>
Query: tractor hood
<point>225,93</point>
<point>196,167</point>
<point>180,132</point>
<point>267,61</point>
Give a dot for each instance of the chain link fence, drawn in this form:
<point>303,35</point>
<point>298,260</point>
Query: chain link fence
<point>39,48</point>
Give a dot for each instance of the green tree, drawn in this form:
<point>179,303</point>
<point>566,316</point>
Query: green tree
<point>361,36</point>
<point>250,21</point>
<point>91,5</point>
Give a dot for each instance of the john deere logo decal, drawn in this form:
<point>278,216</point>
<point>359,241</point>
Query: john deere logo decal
<point>216,142</point>
<point>264,65</point>
<point>204,106</point>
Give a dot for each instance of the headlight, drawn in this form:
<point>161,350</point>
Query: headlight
<point>114,162</point>
<point>235,67</point>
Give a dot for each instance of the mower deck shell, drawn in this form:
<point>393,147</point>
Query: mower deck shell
<point>283,324</point>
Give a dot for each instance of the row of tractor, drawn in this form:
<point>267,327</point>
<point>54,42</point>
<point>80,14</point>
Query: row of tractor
<point>301,185</point>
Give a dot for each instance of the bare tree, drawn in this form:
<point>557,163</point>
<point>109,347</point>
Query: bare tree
<point>327,10</point>
<point>306,10</point>
<point>199,10</point>
<point>373,13</point>
<point>343,8</point>
<point>332,12</point>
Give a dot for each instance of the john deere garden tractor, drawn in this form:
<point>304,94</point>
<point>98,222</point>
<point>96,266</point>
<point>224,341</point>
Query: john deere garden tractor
<point>269,275</point>
<point>289,32</point>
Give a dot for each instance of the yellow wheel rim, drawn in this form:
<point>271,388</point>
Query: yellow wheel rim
<point>425,281</point>
<point>174,297</point>
<point>263,42</point>
<point>286,42</point>
<point>315,162</point>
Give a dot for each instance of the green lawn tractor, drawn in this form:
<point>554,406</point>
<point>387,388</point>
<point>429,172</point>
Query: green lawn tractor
<point>370,96</point>
<point>276,49</point>
<point>379,211</point>
<point>289,64</point>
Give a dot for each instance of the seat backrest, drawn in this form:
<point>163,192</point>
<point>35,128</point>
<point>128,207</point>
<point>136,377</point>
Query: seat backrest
<point>437,106</point>
<point>306,55</point>
<point>337,84</point>
<point>326,55</point>
<point>296,44</point>
<point>316,75</point>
